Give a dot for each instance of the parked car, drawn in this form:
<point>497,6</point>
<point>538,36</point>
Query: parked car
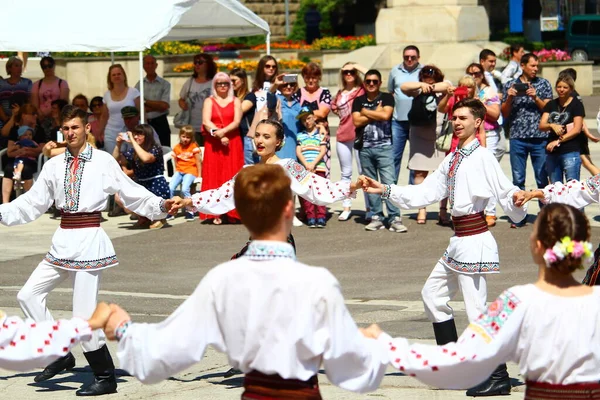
<point>583,37</point>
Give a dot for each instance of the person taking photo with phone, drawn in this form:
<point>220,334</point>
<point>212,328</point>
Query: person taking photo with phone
<point>522,105</point>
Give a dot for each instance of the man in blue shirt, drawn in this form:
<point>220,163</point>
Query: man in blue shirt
<point>408,71</point>
<point>522,105</point>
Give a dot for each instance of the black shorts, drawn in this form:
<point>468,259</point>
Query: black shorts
<point>585,144</point>
<point>29,168</point>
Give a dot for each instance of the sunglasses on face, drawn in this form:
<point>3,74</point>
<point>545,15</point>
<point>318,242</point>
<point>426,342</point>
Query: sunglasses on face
<point>372,81</point>
<point>410,58</point>
<point>198,62</point>
<point>289,85</point>
<point>475,74</point>
<point>349,72</point>
<point>47,66</point>
<point>270,66</point>
<point>222,84</point>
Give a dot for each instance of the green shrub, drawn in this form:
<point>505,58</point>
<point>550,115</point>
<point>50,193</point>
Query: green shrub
<point>325,7</point>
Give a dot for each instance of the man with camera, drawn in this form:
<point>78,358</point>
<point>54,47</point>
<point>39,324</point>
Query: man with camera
<point>522,105</point>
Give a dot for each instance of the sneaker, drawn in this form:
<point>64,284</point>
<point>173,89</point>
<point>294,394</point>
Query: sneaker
<point>297,222</point>
<point>397,226</point>
<point>345,215</point>
<point>490,220</point>
<point>321,222</point>
<point>375,224</point>
<point>189,217</point>
<point>312,223</point>
<point>170,217</point>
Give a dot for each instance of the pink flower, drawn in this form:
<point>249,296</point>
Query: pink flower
<point>550,257</point>
<point>578,250</point>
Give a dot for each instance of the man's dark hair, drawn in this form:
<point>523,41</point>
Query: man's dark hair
<point>485,53</point>
<point>475,106</point>
<point>526,57</point>
<point>569,72</point>
<point>70,112</point>
<point>515,47</point>
<point>412,47</point>
<point>60,103</point>
<point>373,72</point>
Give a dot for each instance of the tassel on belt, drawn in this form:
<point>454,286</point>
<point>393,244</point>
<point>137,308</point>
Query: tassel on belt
<point>469,225</point>
<point>548,391</point>
<point>80,220</point>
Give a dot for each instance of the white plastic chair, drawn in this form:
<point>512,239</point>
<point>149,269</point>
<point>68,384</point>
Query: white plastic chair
<point>168,158</point>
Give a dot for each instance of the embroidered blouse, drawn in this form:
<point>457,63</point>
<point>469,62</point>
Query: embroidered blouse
<point>307,325</point>
<point>307,185</point>
<point>554,340</point>
<point>576,193</point>
<point>81,185</point>
<point>25,345</point>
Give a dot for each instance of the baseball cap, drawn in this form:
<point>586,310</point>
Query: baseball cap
<point>129,111</point>
<point>23,129</point>
<point>304,111</point>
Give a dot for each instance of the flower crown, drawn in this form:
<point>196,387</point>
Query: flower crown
<point>566,247</point>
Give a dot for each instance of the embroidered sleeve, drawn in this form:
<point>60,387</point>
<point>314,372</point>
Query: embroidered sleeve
<point>486,343</point>
<point>576,193</point>
<point>314,188</point>
<point>215,201</point>
<point>25,345</point>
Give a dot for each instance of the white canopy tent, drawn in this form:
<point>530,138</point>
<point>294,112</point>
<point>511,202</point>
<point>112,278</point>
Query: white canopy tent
<point>123,25</point>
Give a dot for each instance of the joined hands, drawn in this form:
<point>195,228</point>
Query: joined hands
<point>108,317</point>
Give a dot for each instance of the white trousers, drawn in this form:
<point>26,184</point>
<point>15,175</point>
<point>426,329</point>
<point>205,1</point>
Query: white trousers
<point>32,297</point>
<point>496,143</point>
<point>345,151</point>
<point>441,287</point>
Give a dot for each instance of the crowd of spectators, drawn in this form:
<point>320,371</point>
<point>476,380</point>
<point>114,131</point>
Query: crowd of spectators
<point>374,129</point>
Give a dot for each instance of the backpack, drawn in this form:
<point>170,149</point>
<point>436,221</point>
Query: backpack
<point>423,110</point>
<point>60,81</point>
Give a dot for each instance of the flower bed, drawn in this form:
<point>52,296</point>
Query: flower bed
<point>546,55</point>
<point>326,43</point>
<point>248,65</point>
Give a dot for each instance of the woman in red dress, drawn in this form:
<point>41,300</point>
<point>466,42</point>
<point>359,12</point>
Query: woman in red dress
<point>223,148</point>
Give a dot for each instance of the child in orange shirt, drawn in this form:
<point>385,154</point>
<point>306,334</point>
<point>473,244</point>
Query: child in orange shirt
<point>187,158</point>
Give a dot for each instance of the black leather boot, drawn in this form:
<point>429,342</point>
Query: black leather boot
<point>231,372</point>
<point>105,381</point>
<point>498,384</point>
<point>66,362</point>
<point>445,332</point>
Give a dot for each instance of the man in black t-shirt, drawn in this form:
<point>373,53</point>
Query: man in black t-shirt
<point>372,117</point>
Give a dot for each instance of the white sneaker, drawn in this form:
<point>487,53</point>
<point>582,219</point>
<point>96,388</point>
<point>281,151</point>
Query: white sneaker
<point>344,215</point>
<point>397,226</point>
<point>375,224</point>
<point>297,222</point>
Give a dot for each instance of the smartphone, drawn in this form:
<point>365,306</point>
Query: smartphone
<point>290,78</point>
<point>521,88</point>
<point>124,136</point>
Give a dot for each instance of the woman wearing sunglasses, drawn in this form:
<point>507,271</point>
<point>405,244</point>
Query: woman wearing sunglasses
<point>424,157</point>
<point>48,89</point>
<point>351,88</point>
<point>197,89</point>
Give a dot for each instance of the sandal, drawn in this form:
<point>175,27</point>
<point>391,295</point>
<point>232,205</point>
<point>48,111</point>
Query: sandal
<point>217,221</point>
<point>423,220</point>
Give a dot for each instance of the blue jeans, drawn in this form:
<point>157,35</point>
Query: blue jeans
<point>400,130</point>
<point>378,163</point>
<point>519,150</point>
<point>185,180</point>
<point>567,165</point>
<point>250,156</point>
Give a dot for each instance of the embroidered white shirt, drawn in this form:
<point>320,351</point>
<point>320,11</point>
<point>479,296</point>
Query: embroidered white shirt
<point>267,312</point>
<point>469,177</point>
<point>553,339</point>
<point>25,345</point>
<point>76,185</point>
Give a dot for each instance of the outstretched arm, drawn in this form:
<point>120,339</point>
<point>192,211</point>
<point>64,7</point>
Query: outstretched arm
<point>28,344</point>
<point>30,205</point>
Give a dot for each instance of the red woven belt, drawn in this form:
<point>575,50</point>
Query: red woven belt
<point>80,220</point>
<point>259,386</point>
<point>548,391</point>
<point>468,225</point>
